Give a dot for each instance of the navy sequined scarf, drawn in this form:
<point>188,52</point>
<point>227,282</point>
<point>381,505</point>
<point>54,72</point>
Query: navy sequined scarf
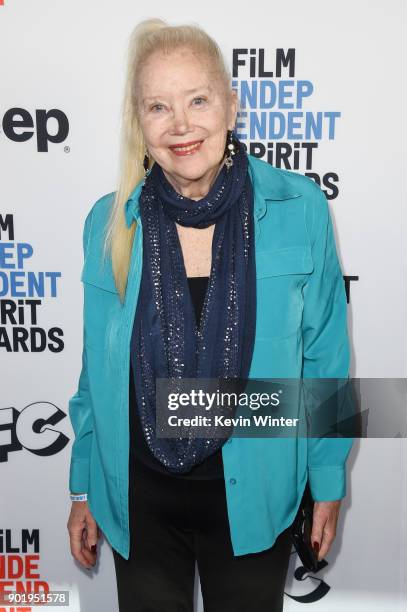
<point>166,342</point>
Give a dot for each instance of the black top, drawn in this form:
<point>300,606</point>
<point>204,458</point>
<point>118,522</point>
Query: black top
<point>212,466</point>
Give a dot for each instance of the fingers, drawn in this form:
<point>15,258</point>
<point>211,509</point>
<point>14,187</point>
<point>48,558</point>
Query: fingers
<point>328,536</point>
<point>91,531</point>
<point>87,551</point>
<point>324,526</point>
<point>82,530</point>
<point>317,534</point>
<point>78,550</point>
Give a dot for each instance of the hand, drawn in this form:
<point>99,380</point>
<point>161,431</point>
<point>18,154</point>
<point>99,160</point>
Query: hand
<point>324,523</point>
<point>83,534</point>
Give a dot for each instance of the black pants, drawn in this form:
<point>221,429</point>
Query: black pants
<point>174,522</point>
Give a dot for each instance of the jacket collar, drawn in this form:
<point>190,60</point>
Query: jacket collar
<point>269,183</point>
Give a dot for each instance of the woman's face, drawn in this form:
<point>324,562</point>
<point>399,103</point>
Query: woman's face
<point>181,101</point>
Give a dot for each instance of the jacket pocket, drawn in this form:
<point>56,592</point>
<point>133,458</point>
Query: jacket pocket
<point>290,260</point>
<point>97,273</point>
<point>280,277</point>
<point>101,302</point>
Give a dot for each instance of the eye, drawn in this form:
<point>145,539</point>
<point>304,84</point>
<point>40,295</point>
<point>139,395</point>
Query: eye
<point>199,98</point>
<point>156,107</point>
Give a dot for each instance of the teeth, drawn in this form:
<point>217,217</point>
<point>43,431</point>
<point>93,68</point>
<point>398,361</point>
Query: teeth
<point>189,148</point>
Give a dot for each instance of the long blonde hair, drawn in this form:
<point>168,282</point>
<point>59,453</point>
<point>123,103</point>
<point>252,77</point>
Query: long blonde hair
<point>148,36</point>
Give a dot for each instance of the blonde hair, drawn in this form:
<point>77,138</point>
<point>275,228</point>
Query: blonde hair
<point>149,36</point>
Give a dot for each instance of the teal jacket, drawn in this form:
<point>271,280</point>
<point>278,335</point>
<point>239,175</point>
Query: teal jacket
<point>301,331</point>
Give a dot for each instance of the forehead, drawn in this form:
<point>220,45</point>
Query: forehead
<point>179,71</point>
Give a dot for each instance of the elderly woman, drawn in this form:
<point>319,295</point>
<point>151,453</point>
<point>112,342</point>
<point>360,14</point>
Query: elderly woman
<point>206,262</point>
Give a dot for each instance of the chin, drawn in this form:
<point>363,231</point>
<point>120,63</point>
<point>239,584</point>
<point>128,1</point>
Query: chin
<point>192,174</point>
<point>192,169</point>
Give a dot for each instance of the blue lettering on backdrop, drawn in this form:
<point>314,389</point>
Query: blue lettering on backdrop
<point>21,290</point>
<point>257,95</point>
<point>275,121</point>
<point>18,282</point>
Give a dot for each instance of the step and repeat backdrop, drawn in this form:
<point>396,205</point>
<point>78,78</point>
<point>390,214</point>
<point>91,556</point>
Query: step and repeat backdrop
<point>322,92</point>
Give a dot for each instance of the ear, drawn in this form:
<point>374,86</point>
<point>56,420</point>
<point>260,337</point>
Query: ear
<point>233,109</point>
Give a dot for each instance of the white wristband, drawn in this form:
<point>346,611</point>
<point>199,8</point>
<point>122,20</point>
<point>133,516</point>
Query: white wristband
<point>79,497</point>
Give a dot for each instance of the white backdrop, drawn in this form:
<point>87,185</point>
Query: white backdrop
<point>69,56</point>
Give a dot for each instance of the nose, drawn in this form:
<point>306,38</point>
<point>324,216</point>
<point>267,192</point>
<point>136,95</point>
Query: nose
<point>180,120</point>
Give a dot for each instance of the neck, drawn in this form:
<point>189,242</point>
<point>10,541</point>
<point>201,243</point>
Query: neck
<point>194,189</point>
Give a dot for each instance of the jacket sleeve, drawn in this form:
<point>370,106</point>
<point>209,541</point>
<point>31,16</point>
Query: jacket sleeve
<point>80,411</point>
<point>325,350</point>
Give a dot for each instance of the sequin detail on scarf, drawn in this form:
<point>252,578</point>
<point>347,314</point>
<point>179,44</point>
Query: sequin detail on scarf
<point>166,341</point>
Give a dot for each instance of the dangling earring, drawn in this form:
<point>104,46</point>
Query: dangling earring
<point>230,149</point>
<point>146,160</point>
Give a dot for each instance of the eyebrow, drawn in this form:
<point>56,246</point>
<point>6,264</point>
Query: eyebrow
<point>186,91</point>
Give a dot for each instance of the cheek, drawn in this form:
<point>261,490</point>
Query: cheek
<point>151,138</point>
<point>152,132</point>
<point>217,133</point>
<point>218,143</point>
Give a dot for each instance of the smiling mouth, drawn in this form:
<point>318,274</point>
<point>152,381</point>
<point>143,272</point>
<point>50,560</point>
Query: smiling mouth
<point>186,149</point>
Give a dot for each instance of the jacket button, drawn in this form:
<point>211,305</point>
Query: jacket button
<point>232,480</point>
